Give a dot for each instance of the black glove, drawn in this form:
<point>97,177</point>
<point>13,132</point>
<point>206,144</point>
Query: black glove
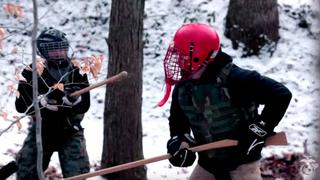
<point>71,100</point>
<point>254,141</point>
<point>181,156</point>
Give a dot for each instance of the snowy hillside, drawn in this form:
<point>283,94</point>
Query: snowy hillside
<point>86,23</point>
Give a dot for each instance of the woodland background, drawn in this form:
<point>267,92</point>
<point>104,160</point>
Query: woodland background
<point>92,31</point>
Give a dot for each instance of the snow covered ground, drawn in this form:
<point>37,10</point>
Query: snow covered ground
<point>86,23</point>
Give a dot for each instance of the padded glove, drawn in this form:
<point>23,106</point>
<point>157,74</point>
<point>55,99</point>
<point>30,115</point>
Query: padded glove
<point>256,135</point>
<point>50,104</point>
<point>71,100</point>
<point>183,158</point>
<point>180,155</point>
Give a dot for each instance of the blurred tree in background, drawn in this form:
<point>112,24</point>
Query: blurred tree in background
<point>254,23</point>
<point>122,116</point>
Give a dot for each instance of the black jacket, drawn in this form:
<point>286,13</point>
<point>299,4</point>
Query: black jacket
<point>65,117</point>
<point>244,87</point>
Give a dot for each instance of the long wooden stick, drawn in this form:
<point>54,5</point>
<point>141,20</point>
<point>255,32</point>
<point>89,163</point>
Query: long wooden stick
<point>118,77</point>
<point>213,145</point>
<point>277,139</point>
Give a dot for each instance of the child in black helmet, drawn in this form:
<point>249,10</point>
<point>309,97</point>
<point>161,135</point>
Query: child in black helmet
<point>61,114</point>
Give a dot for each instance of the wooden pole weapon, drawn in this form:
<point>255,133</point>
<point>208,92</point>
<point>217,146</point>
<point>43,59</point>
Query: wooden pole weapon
<point>277,139</point>
<point>217,144</point>
<point>118,77</point>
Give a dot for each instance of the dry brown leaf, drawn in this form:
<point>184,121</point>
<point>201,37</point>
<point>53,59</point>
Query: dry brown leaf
<point>19,77</point>
<point>17,120</point>
<point>76,63</point>
<point>85,69</point>
<point>58,86</point>
<point>40,64</point>
<point>28,68</point>
<point>2,34</point>
<point>13,9</point>
<point>4,115</point>
<point>19,125</point>
<point>14,50</point>
<point>91,65</point>
<point>95,65</point>
<point>17,94</point>
<point>12,89</point>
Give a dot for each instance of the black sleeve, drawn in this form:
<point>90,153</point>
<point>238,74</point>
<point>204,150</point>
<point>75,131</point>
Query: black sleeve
<point>265,91</point>
<point>24,100</point>
<point>178,122</point>
<point>84,104</point>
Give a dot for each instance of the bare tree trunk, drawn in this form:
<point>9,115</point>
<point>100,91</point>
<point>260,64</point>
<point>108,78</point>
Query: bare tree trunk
<point>254,23</point>
<point>122,116</point>
<point>35,92</point>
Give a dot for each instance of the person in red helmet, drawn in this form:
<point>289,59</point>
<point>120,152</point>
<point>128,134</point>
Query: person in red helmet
<point>215,99</point>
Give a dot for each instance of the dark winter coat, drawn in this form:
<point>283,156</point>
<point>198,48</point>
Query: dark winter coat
<point>244,87</point>
<point>54,123</point>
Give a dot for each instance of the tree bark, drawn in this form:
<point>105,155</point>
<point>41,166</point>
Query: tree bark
<point>122,115</point>
<point>35,93</point>
<point>254,23</point>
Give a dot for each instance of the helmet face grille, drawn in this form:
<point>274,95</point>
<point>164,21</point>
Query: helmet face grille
<point>54,45</point>
<point>54,50</point>
<point>176,66</point>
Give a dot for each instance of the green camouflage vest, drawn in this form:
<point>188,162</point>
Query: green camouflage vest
<point>211,113</point>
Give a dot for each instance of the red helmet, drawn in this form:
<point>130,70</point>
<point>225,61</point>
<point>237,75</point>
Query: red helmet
<point>194,46</point>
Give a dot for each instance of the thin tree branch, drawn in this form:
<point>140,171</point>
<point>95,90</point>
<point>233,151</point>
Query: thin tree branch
<point>35,93</point>
<point>26,27</point>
